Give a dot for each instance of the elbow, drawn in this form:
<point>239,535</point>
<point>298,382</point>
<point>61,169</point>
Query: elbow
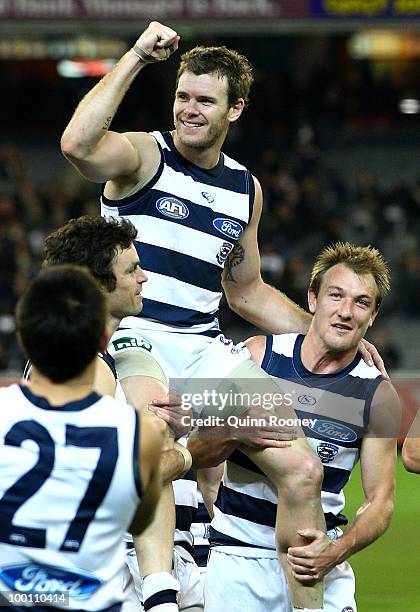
<point>71,147</point>
<point>410,462</point>
<point>234,300</point>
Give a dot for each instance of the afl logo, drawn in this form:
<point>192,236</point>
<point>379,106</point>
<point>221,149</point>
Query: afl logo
<point>172,208</point>
<point>228,227</point>
<point>306,400</point>
<point>334,431</point>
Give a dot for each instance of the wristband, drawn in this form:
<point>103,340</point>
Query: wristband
<point>159,592</point>
<point>186,455</point>
<point>147,57</point>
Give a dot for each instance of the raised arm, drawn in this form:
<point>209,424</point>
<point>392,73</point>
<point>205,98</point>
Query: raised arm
<point>246,292</point>
<point>98,153</point>
<point>377,461</point>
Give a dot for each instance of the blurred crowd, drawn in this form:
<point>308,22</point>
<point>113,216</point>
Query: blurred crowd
<point>307,205</point>
<point>309,98</point>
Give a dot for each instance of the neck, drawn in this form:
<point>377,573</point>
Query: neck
<point>62,393</point>
<point>112,324</point>
<point>321,359</point>
<point>206,157</point>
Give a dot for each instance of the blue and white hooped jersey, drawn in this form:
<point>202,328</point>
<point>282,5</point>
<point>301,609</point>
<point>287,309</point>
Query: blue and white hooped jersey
<point>188,220</point>
<point>69,488</point>
<point>339,406</point>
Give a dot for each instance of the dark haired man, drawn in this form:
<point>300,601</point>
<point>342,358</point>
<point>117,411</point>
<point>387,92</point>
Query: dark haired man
<point>74,464</point>
<point>105,247</point>
<point>199,211</point>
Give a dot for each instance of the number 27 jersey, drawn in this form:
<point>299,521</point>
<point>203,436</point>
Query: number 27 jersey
<point>69,487</point>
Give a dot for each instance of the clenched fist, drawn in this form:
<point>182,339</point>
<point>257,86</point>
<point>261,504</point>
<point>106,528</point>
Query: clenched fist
<point>156,44</point>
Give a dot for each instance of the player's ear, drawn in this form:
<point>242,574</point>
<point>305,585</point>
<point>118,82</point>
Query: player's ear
<point>235,111</point>
<point>311,301</point>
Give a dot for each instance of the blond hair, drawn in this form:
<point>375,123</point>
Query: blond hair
<point>362,260</point>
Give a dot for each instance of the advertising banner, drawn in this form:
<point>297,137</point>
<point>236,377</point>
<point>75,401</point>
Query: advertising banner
<point>153,9</point>
<point>372,9</point>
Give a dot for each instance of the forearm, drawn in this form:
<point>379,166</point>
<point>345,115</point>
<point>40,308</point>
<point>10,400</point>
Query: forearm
<point>209,452</point>
<point>370,522</point>
<point>96,111</point>
<point>208,481</point>
<point>266,308</point>
<point>174,463</point>
<point>154,547</point>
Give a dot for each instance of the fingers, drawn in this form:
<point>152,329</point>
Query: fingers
<point>312,534</point>
<point>156,43</point>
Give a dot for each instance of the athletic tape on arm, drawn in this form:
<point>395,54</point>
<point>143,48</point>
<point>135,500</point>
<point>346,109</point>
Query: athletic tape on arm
<point>138,363</point>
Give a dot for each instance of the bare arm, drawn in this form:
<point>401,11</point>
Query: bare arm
<point>209,450</point>
<point>99,154</point>
<point>152,433</point>
<point>377,462</point>
<point>104,379</point>
<point>208,481</point>
<point>246,292</point>
<point>411,447</point>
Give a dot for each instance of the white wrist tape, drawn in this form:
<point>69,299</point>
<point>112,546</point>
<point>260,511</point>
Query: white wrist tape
<point>159,592</point>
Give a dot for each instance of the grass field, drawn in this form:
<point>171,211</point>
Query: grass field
<point>388,571</point>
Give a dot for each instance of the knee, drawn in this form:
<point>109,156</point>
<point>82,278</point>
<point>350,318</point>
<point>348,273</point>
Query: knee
<point>304,473</point>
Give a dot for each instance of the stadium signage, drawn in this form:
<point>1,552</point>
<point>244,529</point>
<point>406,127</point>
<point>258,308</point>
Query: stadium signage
<point>365,8</point>
<point>153,9</point>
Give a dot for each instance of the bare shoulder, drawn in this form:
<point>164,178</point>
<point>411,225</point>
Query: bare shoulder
<point>104,378</point>
<point>385,417</point>
<point>256,346</point>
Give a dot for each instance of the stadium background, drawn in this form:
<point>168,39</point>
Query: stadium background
<point>332,132</point>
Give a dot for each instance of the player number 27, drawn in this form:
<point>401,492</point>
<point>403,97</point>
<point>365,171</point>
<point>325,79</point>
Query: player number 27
<point>26,486</point>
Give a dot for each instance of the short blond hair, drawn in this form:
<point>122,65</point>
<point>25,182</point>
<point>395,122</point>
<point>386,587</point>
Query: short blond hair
<point>360,259</point>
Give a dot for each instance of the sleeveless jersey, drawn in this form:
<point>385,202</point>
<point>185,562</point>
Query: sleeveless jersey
<point>188,220</point>
<point>339,406</point>
<point>69,488</point>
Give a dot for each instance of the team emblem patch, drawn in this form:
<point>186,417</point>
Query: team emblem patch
<point>228,227</point>
<point>306,400</point>
<point>172,208</point>
<point>127,342</point>
<point>222,255</point>
<point>348,609</point>
<point>326,451</point>
<point>334,431</point>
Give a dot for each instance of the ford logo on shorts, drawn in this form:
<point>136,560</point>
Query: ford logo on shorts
<point>54,580</point>
<point>334,431</point>
<point>228,227</point>
<point>172,208</point>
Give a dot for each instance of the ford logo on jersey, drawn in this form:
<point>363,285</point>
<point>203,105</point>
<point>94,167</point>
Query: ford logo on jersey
<point>172,208</point>
<point>51,580</point>
<point>334,431</point>
<point>228,227</point>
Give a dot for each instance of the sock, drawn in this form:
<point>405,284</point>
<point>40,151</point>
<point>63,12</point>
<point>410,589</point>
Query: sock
<point>159,592</point>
